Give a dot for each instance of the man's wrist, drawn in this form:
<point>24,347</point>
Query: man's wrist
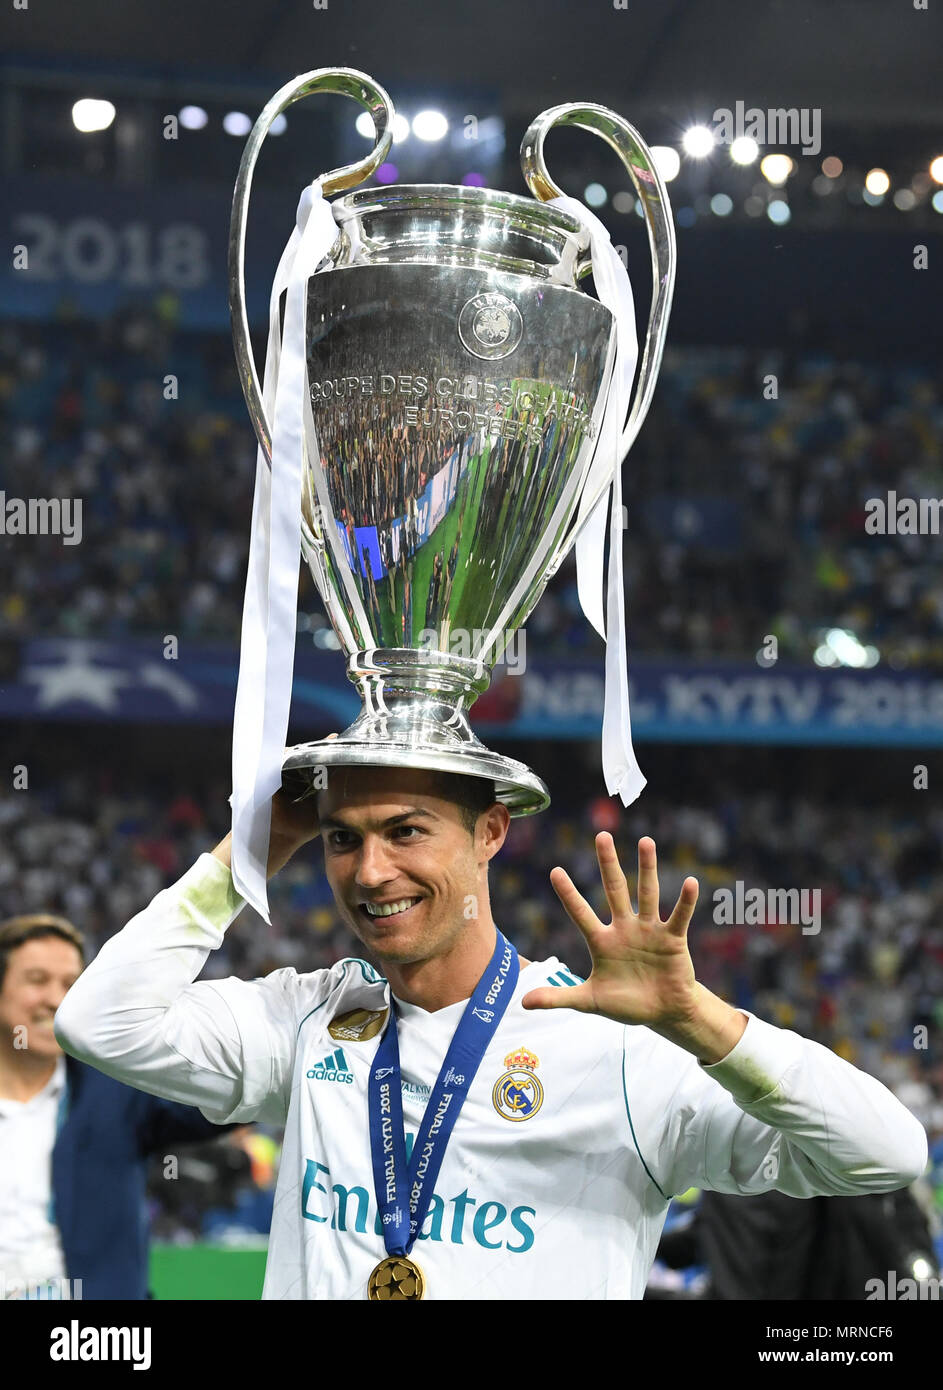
<point>710,1030</point>
<point>280,850</point>
<point>223,851</point>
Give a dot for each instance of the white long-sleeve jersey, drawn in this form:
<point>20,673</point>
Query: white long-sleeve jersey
<point>575,1133</point>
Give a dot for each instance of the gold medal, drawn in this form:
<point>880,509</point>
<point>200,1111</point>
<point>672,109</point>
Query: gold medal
<point>395,1280</point>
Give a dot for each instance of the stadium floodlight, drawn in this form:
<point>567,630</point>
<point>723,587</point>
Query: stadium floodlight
<point>721,205</point>
<point>667,161</point>
<point>832,166</point>
<point>90,114</point>
<point>279,125</point>
<point>623,202</point>
<point>776,168</point>
<point>877,182</point>
<point>400,129</point>
<point>905,199</point>
<point>744,150</point>
<point>698,141</point>
<point>846,647</point>
<point>594,195</point>
<point>192,117</point>
<point>842,648</point>
<point>364,124</point>
<point>936,169</point>
<point>778,211</point>
<point>237,123</point>
<point>430,126</point>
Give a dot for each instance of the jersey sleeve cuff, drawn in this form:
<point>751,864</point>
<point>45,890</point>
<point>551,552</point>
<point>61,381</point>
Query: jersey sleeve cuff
<point>756,1065</point>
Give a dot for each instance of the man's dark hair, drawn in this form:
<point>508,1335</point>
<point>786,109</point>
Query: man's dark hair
<point>33,926</point>
<point>472,795</point>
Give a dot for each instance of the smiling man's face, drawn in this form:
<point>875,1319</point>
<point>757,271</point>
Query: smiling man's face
<point>408,876</point>
<point>39,973</point>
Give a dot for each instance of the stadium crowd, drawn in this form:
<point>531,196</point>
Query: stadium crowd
<point>745,497</point>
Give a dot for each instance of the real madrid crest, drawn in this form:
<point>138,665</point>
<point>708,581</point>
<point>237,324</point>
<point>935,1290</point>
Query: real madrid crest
<point>518,1094</point>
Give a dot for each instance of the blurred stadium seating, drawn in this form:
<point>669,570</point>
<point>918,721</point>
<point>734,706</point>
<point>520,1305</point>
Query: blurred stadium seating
<point>745,516</point>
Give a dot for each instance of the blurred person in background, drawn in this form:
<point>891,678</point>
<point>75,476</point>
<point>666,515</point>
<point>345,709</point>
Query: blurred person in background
<point>73,1143</point>
<point>772,1246</point>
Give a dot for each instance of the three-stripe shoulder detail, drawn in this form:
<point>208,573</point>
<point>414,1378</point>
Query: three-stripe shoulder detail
<point>564,979</point>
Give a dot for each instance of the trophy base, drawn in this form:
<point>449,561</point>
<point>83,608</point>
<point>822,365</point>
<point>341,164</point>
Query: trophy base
<point>415,716</point>
<point>515,785</point>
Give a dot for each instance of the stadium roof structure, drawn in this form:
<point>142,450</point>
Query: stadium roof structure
<point>863,61</point>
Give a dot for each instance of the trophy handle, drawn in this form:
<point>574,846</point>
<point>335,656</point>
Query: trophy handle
<point>649,185</point>
<point>346,82</point>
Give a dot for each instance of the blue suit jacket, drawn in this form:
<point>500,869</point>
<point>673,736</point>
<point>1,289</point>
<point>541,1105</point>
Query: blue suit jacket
<point>107,1131</point>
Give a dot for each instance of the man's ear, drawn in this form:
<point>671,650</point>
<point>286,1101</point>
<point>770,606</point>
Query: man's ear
<point>492,829</point>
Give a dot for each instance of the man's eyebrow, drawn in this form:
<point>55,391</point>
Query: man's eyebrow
<point>333,823</point>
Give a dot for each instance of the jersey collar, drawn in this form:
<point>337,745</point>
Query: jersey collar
<point>528,978</point>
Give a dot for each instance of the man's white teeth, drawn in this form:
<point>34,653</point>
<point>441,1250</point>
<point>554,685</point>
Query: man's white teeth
<point>387,909</point>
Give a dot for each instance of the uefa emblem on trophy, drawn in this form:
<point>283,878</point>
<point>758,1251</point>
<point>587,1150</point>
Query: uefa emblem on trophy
<point>444,416</point>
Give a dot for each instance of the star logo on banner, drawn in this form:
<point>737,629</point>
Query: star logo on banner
<point>77,679</point>
<point>80,676</point>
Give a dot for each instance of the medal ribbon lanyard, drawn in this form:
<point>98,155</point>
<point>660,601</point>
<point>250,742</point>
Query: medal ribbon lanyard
<point>404,1193</point>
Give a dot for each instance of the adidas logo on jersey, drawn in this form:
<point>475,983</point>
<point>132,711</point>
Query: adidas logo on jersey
<point>333,1068</point>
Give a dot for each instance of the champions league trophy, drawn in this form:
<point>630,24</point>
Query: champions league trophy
<point>447,421</point>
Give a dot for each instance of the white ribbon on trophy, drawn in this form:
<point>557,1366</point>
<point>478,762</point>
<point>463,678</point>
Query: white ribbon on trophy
<point>270,614</point>
<point>269,621</point>
<point>621,771</point>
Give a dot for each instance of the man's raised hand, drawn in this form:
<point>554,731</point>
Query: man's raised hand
<point>642,969</point>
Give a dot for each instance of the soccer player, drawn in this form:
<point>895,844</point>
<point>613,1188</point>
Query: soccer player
<point>468,1124</point>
